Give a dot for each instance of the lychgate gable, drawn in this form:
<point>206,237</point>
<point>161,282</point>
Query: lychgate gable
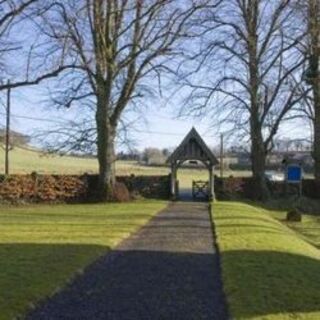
<point>193,147</point>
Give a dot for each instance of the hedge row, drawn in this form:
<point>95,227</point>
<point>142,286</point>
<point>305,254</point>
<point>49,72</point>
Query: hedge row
<point>244,187</point>
<point>39,188</point>
<point>157,187</point>
<point>74,188</point>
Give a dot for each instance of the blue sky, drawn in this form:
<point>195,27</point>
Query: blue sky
<point>162,128</point>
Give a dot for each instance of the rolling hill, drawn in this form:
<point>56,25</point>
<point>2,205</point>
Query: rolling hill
<point>25,161</point>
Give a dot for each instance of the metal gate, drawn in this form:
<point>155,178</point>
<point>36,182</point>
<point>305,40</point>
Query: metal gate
<point>200,189</point>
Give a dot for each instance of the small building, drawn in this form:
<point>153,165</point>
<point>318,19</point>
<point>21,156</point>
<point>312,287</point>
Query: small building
<point>192,148</point>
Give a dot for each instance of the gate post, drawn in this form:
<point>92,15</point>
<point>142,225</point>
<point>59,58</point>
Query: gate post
<point>173,181</point>
<point>211,184</point>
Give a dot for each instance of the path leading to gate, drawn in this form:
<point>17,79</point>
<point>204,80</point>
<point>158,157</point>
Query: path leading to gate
<point>167,270</point>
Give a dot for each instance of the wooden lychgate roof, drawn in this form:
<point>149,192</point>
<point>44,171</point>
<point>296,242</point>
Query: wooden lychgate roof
<point>193,147</point>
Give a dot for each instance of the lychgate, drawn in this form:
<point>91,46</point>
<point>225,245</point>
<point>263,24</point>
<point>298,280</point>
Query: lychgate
<point>192,147</point>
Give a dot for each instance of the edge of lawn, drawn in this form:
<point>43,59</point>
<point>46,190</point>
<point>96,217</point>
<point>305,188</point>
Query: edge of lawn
<point>268,271</point>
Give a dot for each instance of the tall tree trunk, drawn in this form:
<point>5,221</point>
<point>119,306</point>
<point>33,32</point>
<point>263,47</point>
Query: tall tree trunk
<point>316,148</point>
<point>314,25</point>
<point>258,158</point>
<point>258,152</point>
<point>106,133</point>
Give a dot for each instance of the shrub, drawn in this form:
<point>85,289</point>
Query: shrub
<point>121,192</point>
<point>229,188</point>
<point>294,216</point>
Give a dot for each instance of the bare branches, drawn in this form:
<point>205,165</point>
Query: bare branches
<point>120,44</point>
<point>10,12</point>
<point>248,70</point>
<point>36,80</point>
<point>249,59</point>
<point>120,51</point>
<point>26,58</point>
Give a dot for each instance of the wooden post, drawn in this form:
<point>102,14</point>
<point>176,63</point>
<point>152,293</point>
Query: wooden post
<point>211,186</point>
<point>193,189</point>
<point>7,147</point>
<point>213,191</point>
<point>221,156</point>
<point>173,181</point>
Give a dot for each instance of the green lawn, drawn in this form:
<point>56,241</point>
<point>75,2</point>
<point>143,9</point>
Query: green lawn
<point>309,227</point>
<point>269,271</point>
<point>42,247</point>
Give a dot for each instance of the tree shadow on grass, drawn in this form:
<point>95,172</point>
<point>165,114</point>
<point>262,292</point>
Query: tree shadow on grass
<point>245,224</point>
<point>260,283</point>
<point>30,272</point>
<point>285,204</point>
<point>129,284</point>
<point>301,228</point>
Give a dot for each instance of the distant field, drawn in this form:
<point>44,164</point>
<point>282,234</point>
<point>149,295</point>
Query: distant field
<point>26,161</point>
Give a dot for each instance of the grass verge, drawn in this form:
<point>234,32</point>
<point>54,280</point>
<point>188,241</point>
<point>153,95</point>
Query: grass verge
<point>310,225</point>
<point>42,247</point>
<point>269,272</point>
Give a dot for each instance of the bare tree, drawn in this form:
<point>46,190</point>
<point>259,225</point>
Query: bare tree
<point>309,11</point>
<point>249,72</point>
<point>79,135</point>
<point>119,49</point>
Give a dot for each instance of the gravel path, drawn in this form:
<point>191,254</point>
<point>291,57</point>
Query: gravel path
<point>167,270</point>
